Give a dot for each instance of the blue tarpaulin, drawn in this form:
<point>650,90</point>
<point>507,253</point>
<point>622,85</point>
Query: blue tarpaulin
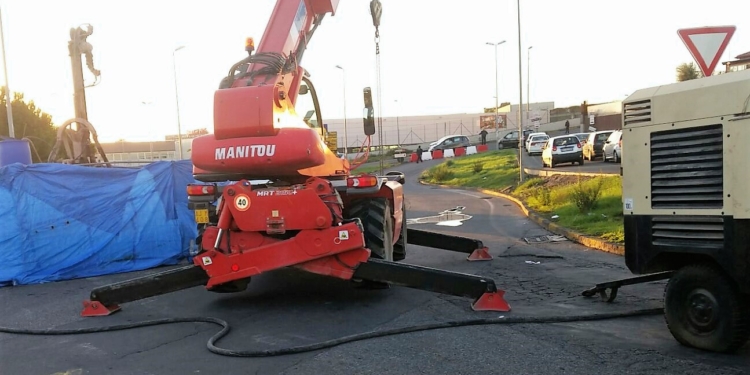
<point>63,222</point>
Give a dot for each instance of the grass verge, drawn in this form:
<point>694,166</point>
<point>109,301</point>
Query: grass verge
<point>493,170</point>
<point>590,205</point>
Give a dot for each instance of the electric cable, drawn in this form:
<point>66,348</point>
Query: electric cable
<point>225,328</point>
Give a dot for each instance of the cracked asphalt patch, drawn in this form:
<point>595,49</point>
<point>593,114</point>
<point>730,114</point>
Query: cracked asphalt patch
<point>288,308</point>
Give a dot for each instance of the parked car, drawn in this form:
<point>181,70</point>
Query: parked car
<point>450,141</point>
<point>528,138</point>
<point>562,149</point>
<point>510,140</point>
<point>595,144</point>
<point>535,143</point>
<point>582,137</point>
<point>611,149</point>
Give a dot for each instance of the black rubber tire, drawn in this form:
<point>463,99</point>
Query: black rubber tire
<point>616,157</point>
<point>580,162</point>
<point>376,217</point>
<point>728,325</point>
<point>399,249</point>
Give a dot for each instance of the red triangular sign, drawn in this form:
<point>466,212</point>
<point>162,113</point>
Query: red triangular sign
<point>707,44</point>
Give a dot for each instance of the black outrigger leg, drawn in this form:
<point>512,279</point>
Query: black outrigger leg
<point>475,248</point>
<point>106,300</point>
<point>483,290</point>
<point>613,286</point>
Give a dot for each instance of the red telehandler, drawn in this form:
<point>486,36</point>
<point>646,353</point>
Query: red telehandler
<point>312,212</point>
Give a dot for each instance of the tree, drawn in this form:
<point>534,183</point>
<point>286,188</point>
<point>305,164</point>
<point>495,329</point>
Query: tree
<point>28,122</point>
<point>687,71</point>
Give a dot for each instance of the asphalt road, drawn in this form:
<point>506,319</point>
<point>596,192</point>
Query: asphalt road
<point>287,308</point>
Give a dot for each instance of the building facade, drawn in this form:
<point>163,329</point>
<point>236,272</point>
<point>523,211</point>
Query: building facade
<point>741,62</point>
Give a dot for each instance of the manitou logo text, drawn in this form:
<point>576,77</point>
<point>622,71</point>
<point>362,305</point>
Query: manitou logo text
<point>235,152</point>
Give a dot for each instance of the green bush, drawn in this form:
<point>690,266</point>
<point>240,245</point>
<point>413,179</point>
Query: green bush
<point>478,167</point>
<point>441,173</point>
<point>543,195</point>
<point>449,163</point>
<point>587,197</point>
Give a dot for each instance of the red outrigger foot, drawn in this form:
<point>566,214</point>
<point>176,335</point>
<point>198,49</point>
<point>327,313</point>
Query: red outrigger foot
<point>480,254</point>
<point>94,308</point>
<point>491,301</point>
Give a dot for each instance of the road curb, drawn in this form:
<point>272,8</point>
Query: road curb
<point>572,235</point>
<point>546,173</point>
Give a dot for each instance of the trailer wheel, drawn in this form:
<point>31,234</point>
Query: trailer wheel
<point>399,249</point>
<point>375,214</point>
<point>705,310</point>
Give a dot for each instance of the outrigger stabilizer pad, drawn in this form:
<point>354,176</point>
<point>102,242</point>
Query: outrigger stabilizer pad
<point>95,308</point>
<point>479,254</point>
<point>491,301</point>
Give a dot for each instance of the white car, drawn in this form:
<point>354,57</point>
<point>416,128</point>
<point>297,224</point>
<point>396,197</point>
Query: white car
<point>611,149</point>
<point>562,149</point>
<point>528,138</point>
<point>535,143</point>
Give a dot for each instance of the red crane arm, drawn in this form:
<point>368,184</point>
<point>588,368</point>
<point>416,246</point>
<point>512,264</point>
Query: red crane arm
<point>256,129</point>
<point>270,79</point>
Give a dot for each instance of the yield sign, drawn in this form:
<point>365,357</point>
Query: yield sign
<point>707,44</point>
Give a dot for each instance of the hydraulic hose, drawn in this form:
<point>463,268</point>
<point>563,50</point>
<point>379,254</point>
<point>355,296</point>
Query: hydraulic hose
<point>211,345</point>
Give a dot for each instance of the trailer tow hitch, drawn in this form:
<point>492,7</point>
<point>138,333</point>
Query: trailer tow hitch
<point>613,286</point>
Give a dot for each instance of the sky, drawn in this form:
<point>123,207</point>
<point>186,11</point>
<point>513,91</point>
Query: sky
<point>433,54</point>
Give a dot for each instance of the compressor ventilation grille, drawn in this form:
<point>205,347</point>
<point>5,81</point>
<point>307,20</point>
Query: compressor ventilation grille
<point>636,112</point>
<point>687,168</point>
<point>688,232</point>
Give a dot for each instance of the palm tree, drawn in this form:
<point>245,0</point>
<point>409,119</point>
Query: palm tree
<point>687,71</point>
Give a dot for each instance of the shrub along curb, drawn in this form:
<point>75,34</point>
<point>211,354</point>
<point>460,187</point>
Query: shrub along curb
<point>572,235</point>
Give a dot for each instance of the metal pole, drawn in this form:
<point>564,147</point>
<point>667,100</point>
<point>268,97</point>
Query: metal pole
<point>177,99</point>
<point>520,95</point>
<point>11,130</point>
<point>497,93</point>
<point>497,98</point>
<point>346,137</point>
<point>528,82</point>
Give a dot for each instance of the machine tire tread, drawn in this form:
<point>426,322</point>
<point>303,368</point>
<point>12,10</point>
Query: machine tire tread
<point>375,216</point>
<point>733,328</point>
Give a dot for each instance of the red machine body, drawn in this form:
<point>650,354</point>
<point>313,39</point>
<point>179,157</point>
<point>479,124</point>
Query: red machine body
<point>258,135</point>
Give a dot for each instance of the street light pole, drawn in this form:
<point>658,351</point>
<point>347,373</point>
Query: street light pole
<point>497,96</point>
<point>11,131</point>
<point>528,82</point>
<point>177,99</point>
<point>520,96</point>
<point>346,138</point>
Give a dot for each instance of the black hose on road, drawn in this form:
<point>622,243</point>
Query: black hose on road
<point>329,343</point>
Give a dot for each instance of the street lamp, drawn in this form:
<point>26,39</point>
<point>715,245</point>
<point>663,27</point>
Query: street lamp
<point>177,99</point>
<point>346,138</point>
<point>497,114</point>
<point>528,82</point>
<point>11,131</point>
<point>520,95</point>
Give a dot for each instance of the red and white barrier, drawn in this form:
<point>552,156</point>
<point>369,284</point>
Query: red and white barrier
<point>449,153</point>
